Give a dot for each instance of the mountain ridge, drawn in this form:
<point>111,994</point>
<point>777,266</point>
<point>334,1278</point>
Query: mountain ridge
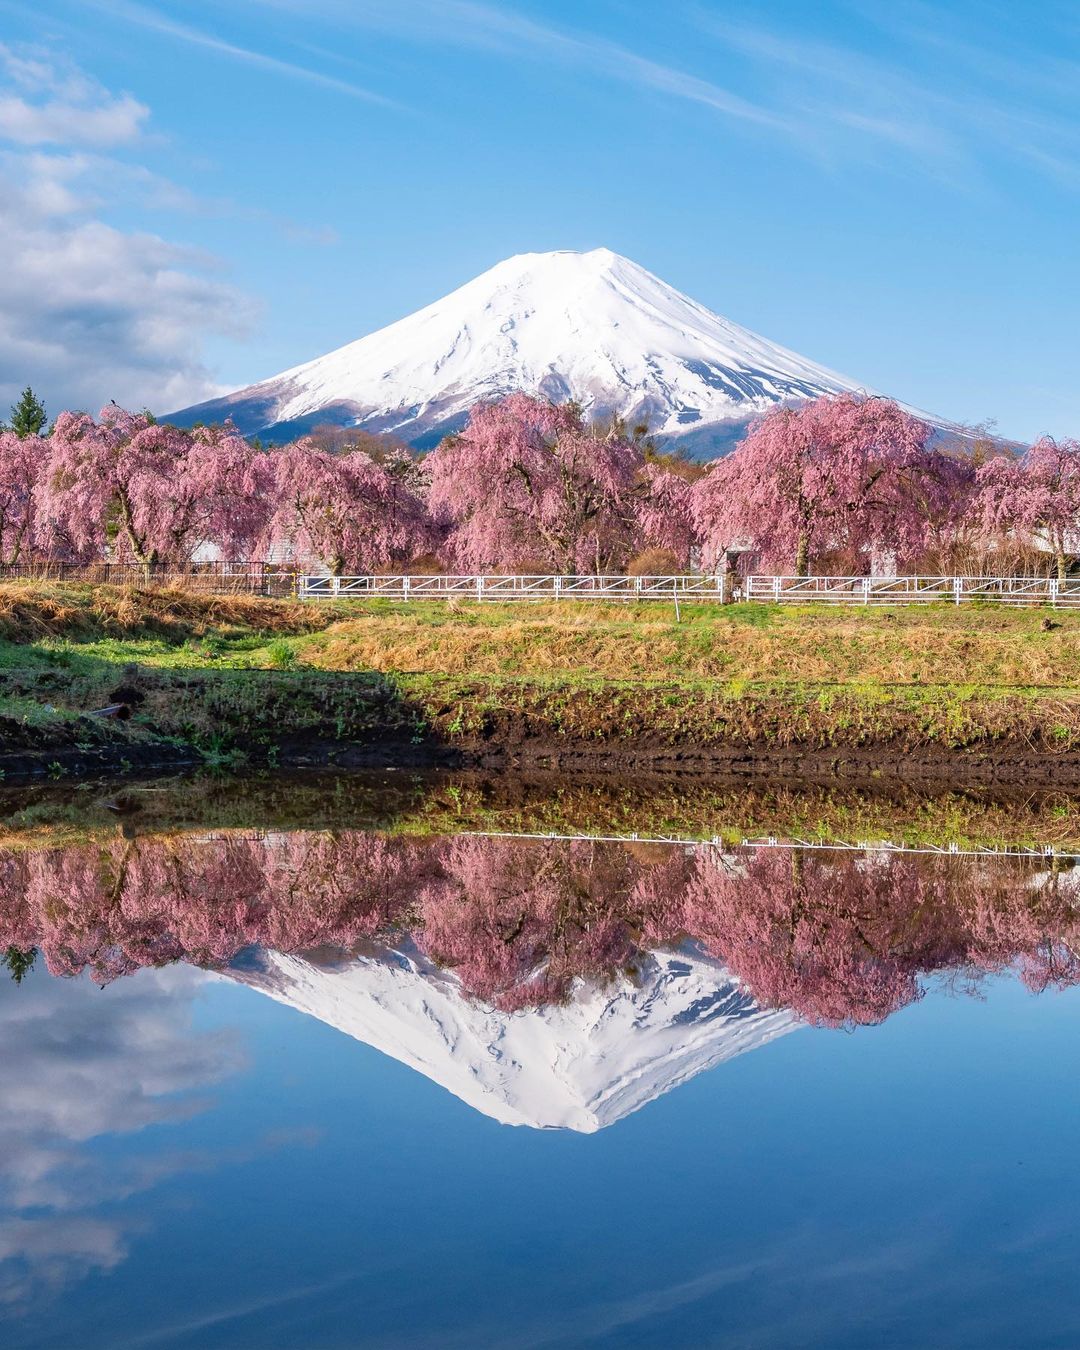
<point>593,326</point>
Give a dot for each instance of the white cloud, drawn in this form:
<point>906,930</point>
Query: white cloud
<point>471,23</point>
<point>53,103</point>
<point>89,311</point>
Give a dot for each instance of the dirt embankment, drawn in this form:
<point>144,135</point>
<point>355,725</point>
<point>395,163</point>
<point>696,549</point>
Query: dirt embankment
<point>310,717</point>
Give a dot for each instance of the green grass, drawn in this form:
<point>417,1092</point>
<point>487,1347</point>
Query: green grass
<point>754,674</point>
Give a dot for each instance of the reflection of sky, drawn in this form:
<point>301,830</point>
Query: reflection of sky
<point>79,1066</point>
<point>206,1168</point>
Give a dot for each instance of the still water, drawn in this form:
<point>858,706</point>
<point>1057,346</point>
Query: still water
<point>362,1064</point>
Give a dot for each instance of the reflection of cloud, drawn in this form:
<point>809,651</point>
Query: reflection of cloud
<point>80,1063</point>
<point>54,1250</point>
<point>238,1311</point>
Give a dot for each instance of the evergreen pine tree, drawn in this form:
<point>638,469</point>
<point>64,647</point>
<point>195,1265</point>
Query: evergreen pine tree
<point>28,415</point>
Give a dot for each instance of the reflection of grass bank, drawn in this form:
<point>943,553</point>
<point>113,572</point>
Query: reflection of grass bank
<point>446,803</point>
<point>237,678</point>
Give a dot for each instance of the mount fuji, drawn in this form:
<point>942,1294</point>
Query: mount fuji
<point>581,1065</point>
<point>594,327</point>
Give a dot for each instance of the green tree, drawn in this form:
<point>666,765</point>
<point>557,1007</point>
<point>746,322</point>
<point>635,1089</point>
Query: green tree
<point>19,962</point>
<point>28,415</point>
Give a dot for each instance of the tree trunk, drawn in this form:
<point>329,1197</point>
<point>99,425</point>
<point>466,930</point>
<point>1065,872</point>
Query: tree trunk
<point>1062,565</point>
<point>802,556</point>
<point>139,551</point>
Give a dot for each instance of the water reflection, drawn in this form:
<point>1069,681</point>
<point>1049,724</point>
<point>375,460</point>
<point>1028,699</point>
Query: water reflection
<point>75,1072</point>
<point>602,1051</point>
<point>548,982</point>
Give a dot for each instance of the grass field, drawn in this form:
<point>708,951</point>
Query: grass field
<point>214,670</point>
<point>940,644</point>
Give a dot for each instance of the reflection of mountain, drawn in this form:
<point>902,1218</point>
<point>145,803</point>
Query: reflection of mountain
<point>579,1065</point>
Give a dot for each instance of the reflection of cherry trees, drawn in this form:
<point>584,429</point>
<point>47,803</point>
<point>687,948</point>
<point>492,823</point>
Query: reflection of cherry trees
<point>519,920</point>
<point>841,938</point>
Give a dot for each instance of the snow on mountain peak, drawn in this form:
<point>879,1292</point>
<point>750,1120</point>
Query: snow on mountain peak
<point>579,1066</point>
<point>592,326</point>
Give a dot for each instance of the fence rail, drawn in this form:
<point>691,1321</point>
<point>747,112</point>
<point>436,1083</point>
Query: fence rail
<point>215,578</point>
<point>260,578</point>
<point>912,590</point>
<point>730,847</point>
<point>614,587</point>
<point>715,587</point>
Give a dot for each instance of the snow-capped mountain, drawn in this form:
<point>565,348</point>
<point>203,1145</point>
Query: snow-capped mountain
<point>580,1066</point>
<point>594,327</point>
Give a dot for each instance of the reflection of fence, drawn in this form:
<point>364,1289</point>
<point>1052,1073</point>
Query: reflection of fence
<point>712,587</point>
<point>731,846</point>
<point>216,578</point>
<point>911,590</point>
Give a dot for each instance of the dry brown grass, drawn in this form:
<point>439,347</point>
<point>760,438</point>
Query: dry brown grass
<point>29,613</point>
<point>943,646</point>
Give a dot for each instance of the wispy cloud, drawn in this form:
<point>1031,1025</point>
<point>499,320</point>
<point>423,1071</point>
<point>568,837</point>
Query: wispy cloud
<point>949,118</point>
<point>868,97</point>
<point>468,23</point>
<point>157,22</point>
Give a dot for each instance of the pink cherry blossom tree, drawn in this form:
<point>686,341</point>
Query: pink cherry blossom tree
<point>827,475</point>
<point>217,489</point>
<point>20,461</point>
<point>1036,498</point>
<point>663,512</point>
<point>528,482</point>
<point>103,482</point>
<point>347,510</point>
<point>841,939</point>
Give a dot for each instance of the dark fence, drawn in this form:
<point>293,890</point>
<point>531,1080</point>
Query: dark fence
<point>214,578</point>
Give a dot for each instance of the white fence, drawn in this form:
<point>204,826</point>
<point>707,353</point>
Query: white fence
<point>715,587</point>
<point>911,590</point>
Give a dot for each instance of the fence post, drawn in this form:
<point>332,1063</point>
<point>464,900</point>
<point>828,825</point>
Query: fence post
<point>1055,587</point>
<point>866,590</point>
<point>776,588</point>
<point>558,588</point>
<point>405,587</point>
<point>479,588</point>
<point>957,587</point>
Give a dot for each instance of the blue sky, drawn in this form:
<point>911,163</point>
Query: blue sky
<point>196,195</point>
